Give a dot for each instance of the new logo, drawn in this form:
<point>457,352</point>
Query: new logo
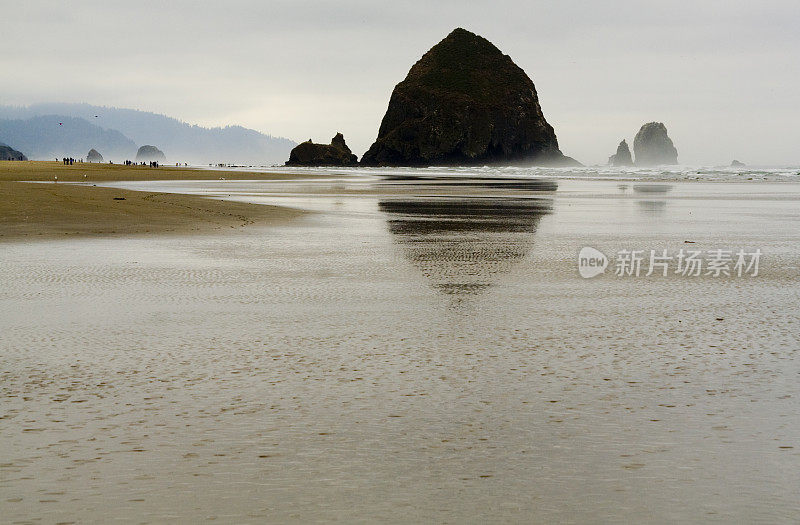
<point>591,262</point>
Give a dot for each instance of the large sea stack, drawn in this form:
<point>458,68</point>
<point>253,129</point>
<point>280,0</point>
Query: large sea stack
<point>150,154</point>
<point>311,154</point>
<point>622,157</point>
<point>465,103</point>
<point>652,146</point>
<point>9,153</point>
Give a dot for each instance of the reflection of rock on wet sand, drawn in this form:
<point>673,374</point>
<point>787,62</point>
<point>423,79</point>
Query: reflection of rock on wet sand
<point>650,206</point>
<point>463,244</point>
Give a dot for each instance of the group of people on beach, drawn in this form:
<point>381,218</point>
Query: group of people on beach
<point>69,161</point>
<point>152,164</point>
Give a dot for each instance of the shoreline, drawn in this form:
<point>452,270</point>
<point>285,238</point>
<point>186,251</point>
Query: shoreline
<point>34,205</point>
<point>45,171</point>
<point>48,211</point>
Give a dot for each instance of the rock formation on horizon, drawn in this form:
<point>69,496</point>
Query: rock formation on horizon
<point>94,156</point>
<point>9,153</point>
<point>150,153</point>
<point>465,103</point>
<point>31,129</point>
<point>56,136</point>
<point>312,154</point>
<point>652,146</point>
<point>622,157</point>
<point>737,164</point>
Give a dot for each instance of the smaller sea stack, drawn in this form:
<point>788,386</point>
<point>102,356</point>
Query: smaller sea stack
<point>94,156</point>
<point>312,154</point>
<point>150,154</point>
<point>622,157</point>
<point>652,146</point>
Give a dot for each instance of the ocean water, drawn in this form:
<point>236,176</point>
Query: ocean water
<point>422,347</point>
<point>656,173</point>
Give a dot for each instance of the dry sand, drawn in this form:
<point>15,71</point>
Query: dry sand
<point>57,209</point>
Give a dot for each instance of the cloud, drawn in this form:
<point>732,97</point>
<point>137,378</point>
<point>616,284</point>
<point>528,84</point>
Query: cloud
<point>721,75</point>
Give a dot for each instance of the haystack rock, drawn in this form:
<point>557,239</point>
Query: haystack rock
<point>94,156</point>
<point>737,164</point>
<point>652,146</point>
<point>150,154</point>
<point>9,153</point>
<point>465,103</point>
<point>622,157</point>
<point>311,154</point>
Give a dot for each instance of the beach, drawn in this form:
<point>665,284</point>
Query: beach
<point>55,208</point>
<point>320,345</point>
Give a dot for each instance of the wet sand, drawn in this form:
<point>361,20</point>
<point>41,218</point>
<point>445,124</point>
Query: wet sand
<point>407,353</point>
<point>52,209</point>
<point>46,171</point>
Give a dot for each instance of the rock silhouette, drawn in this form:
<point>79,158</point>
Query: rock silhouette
<point>464,103</point>
<point>737,164</point>
<point>622,157</point>
<point>311,154</point>
<point>150,154</point>
<point>652,146</point>
<point>94,156</point>
<point>9,153</point>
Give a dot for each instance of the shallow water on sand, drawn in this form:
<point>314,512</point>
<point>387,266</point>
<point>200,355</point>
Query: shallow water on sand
<point>675,173</point>
<point>415,351</point>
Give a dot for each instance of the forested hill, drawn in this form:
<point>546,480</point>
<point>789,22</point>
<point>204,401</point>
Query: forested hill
<point>181,142</point>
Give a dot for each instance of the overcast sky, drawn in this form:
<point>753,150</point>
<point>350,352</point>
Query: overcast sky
<point>722,75</point>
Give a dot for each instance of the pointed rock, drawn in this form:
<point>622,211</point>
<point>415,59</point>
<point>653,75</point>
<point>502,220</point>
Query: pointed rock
<point>464,103</point>
<point>338,142</point>
<point>622,157</point>
<point>94,156</point>
<point>652,146</point>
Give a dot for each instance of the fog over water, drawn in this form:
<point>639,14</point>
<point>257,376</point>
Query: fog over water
<point>721,75</point>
